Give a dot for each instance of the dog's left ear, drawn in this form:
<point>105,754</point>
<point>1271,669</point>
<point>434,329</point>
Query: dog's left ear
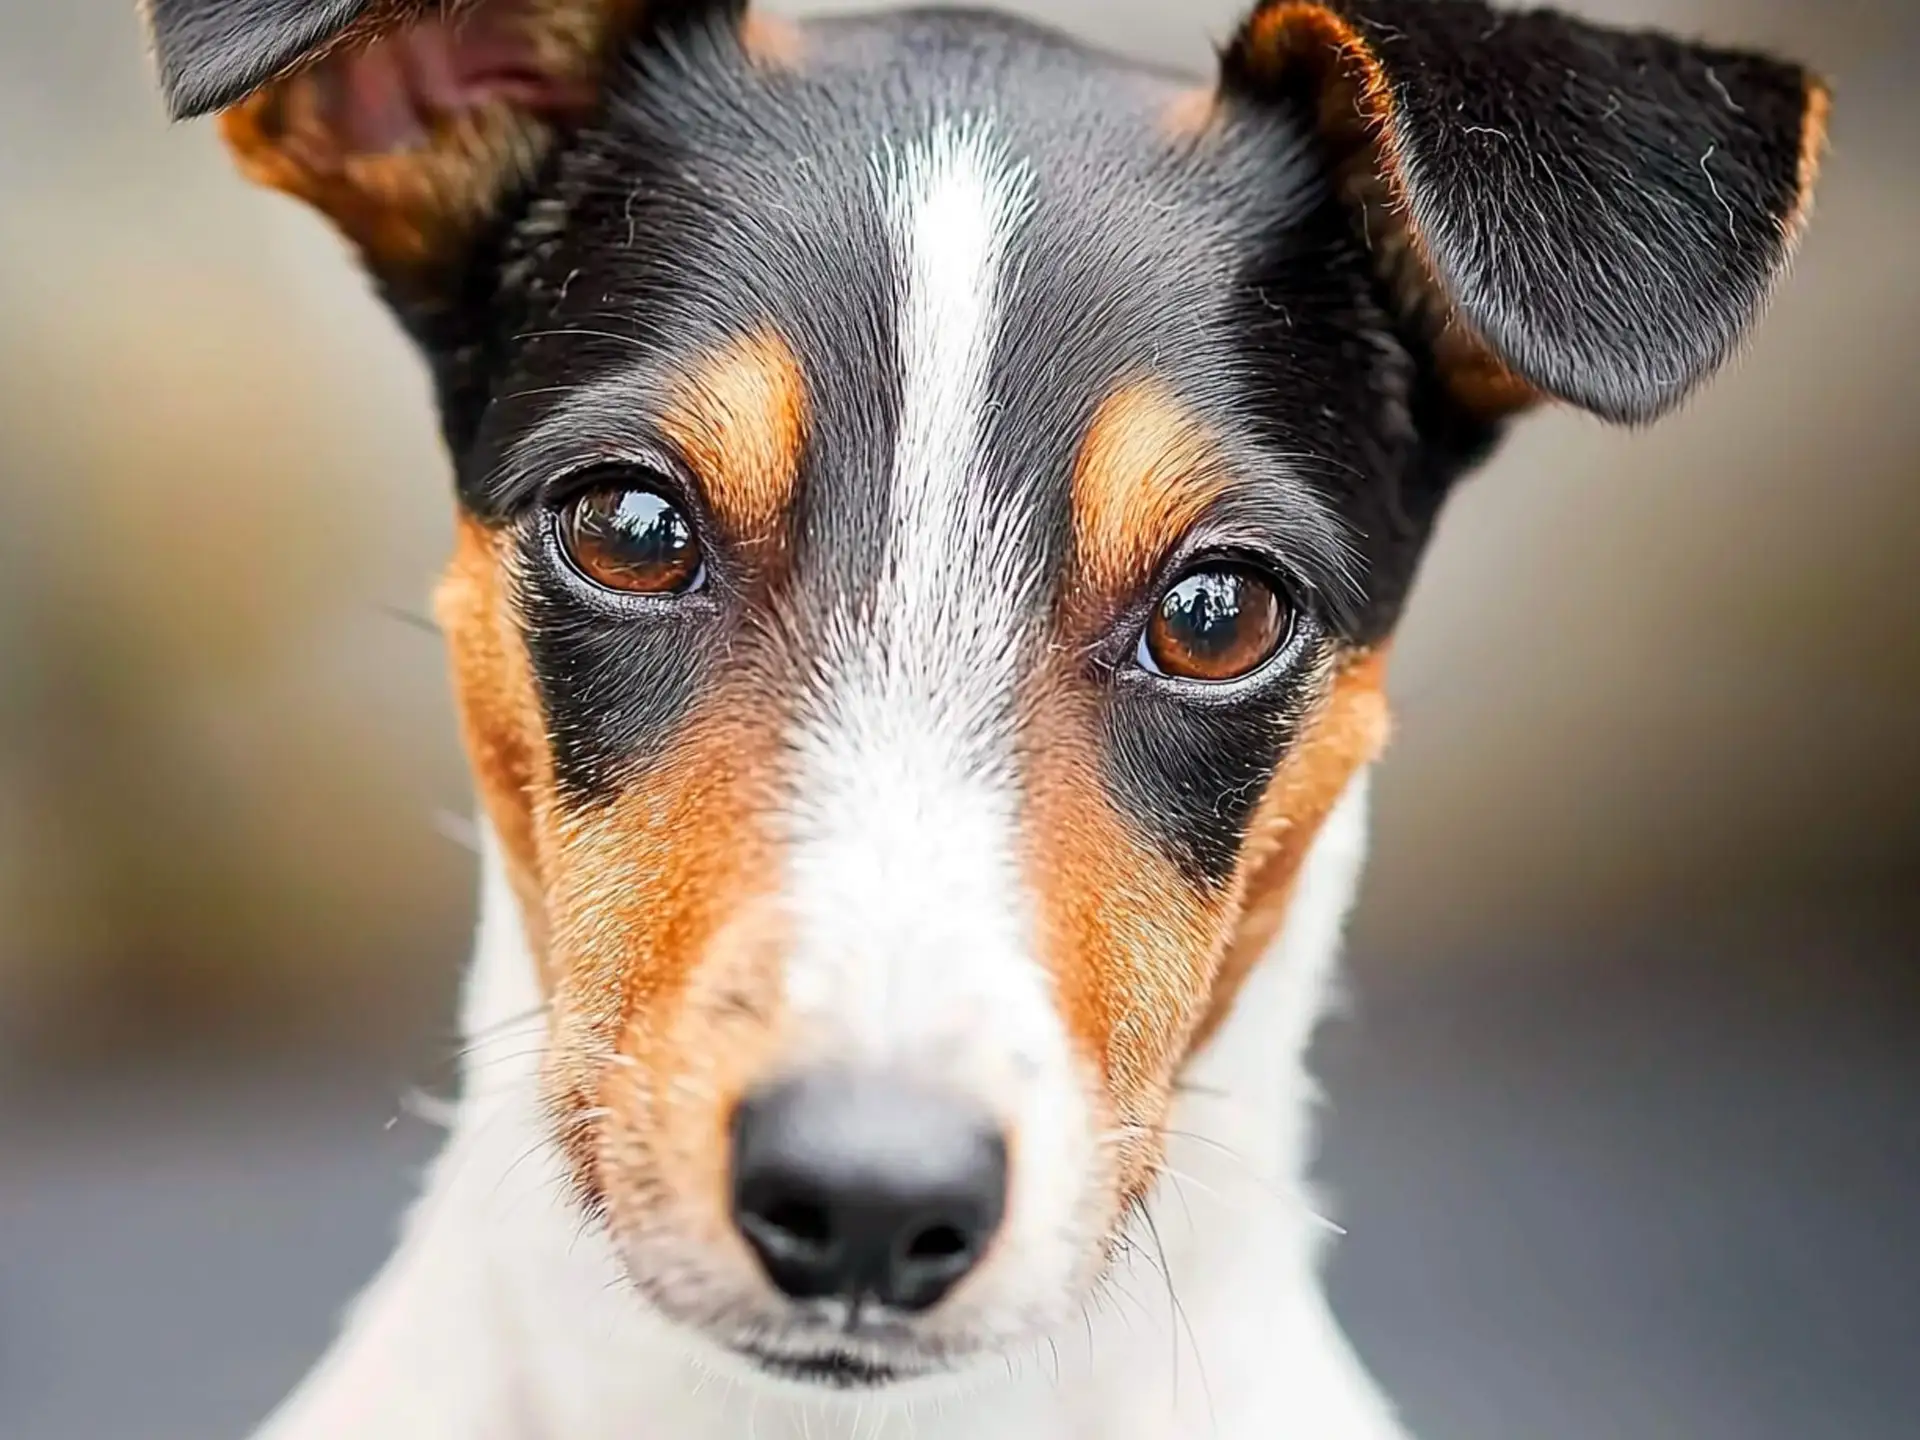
<point>407,122</point>
<point>1564,209</point>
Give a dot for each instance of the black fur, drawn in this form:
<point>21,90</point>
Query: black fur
<point>1610,210</point>
<point>214,52</point>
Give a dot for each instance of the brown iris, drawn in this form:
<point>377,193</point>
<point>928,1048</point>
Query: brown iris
<point>632,540</point>
<point>1216,624</point>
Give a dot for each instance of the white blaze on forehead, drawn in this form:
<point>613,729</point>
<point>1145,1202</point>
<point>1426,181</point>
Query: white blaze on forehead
<point>913,938</point>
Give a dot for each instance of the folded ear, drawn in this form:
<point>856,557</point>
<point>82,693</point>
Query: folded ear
<point>1570,210</point>
<point>405,121</point>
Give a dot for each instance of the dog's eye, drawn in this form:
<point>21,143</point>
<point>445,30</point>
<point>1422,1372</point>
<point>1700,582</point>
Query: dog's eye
<point>631,539</point>
<point>1214,625</point>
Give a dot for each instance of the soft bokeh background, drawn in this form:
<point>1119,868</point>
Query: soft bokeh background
<point>1628,1122</point>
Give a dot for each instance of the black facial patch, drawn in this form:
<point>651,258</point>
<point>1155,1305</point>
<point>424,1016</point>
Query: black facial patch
<point>615,673</point>
<point>1193,770</point>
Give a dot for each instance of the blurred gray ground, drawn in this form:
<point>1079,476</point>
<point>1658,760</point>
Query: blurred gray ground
<point>1665,1191</point>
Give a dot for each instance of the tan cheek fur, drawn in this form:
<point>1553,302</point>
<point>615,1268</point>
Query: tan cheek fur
<point>668,1005</point>
<point>501,723</point>
<point>650,913</point>
<point>1348,732</point>
<point>1145,963</point>
<point>1130,944</point>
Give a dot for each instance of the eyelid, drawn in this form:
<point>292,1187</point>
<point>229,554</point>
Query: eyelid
<point>1281,527</point>
<point>660,472</point>
<point>1227,547</point>
<point>546,461</point>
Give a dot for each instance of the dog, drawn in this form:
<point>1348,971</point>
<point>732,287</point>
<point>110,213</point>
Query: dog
<point>934,503</point>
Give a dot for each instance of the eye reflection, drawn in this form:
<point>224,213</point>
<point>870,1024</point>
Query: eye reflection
<point>632,540</point>
<point>1214,625</point>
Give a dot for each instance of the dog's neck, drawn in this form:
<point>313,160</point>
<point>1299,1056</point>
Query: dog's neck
<point>503,1316</point>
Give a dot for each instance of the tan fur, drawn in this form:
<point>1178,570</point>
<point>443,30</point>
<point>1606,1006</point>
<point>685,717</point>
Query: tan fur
<point>649,913</point>
<point>661,902</point>
<point>740,421</point>
<point>1813,149</point>
<point>1130,942</point>
<point>501,722</point>
<point>1347,732</point>
<point>1146,964</point>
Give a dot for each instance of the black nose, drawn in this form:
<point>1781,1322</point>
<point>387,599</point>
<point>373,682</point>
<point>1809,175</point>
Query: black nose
<point>864,1186</point>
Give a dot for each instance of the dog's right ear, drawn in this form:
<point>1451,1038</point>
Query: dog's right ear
<point>407,122</point>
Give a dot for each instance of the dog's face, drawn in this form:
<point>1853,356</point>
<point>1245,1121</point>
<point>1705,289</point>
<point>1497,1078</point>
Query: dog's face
<point>934,499</point>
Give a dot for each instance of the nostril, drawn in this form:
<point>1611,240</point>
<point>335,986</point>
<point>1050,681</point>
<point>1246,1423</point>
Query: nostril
<point>803,1223</point>
<point>937,1243</point>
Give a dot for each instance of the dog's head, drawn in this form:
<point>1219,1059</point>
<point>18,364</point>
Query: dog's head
<point>934,498</point>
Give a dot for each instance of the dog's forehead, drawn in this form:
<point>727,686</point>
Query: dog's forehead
<point>729,196</point>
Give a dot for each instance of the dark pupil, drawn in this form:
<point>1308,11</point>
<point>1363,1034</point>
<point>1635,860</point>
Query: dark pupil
<point>638,532</point>
<point>1205,614</point>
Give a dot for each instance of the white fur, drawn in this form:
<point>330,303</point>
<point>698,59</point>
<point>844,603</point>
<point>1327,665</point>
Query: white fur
<point>497,1319</point>
<point>913,944</point>
<point>903,874</point>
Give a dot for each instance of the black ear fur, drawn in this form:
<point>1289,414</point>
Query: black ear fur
<point>1607,211</point>
<point>212,53</point>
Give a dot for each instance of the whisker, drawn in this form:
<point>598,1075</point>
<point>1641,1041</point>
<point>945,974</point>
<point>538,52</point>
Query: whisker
<point>413,620</point>
<point>1182,1322</point>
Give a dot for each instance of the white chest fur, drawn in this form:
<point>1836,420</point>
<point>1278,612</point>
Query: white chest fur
<point>499,1317</point>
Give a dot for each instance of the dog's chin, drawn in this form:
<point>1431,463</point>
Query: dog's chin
<point>811,1351</point>
<point>811,1360</point>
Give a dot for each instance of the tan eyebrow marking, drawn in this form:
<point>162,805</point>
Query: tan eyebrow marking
<point>1147,470</point>
<point>740,419</point>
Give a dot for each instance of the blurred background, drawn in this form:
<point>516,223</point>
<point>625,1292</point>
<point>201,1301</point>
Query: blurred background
<point>1626,1117</point>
